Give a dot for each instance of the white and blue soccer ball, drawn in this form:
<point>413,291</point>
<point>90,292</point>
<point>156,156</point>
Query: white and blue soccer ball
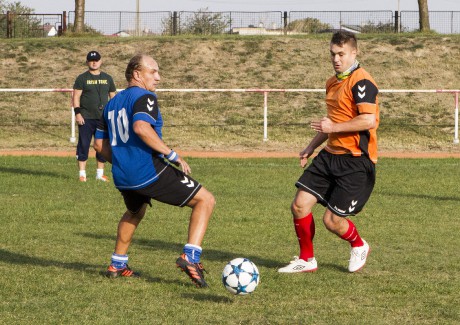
<point>240,276</point>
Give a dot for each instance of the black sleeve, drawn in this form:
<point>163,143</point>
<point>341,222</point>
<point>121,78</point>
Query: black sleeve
<point>147,104</point>
<point>112,87</point>
<point>364,91</point>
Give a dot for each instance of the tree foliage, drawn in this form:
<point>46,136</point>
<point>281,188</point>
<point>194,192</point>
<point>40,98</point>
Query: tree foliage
<point>379,27</point>
<point>24,23</point>
<point>167,26</point>
<point>16,7</point>
<point>307,25</point>
<point>201,22</point>
<point>87,31</point>
<point>204,23</point>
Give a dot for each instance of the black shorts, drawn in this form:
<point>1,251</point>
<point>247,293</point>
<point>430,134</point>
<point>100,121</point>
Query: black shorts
<point>172,187</point>
<point>342,183</point>
<point>85,134</point>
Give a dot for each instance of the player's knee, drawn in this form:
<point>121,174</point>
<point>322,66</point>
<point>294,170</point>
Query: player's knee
<point>203,200</point>
<point>328,224</point>
<point>299,209</point>
<point>331,221</point>
<point>136,215</point>
<point>295,208</point>
<point>302,204</point>
<point>209,200</point>
<point>139,215</point>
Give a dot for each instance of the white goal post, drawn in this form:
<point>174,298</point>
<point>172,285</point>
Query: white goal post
<point>255,90</point>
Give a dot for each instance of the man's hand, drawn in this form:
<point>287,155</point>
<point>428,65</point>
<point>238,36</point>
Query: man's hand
<point>79,119</point>
<point>174,158</point>
<point>183,165</point>
<point>325,125</point>
<point>361,122</point>
<point>304,155</point>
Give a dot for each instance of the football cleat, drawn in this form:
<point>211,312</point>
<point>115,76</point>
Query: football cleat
<point>102,178</point>
<point>298,265</point>
<point>193,270</point>
<point>82,179</point>
<point>113,272</point>
<point>358,257</point>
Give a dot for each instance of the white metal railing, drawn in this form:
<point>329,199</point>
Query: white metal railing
<point>257,90</point>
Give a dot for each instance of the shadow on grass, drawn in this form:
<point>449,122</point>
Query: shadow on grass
<point>29,172</point>
<point>420,196</point>
<point>208,254</point>
<point>21,259</point>
<point>207,297</point>
<point>331,266</point>
<point>145,277</point>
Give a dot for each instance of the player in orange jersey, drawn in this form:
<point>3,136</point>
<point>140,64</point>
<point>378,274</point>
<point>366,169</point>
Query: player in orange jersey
<point>342,176</point>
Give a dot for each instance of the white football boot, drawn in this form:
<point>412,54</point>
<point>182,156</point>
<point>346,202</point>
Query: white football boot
<point>358,257</point>
<point>299,265</point>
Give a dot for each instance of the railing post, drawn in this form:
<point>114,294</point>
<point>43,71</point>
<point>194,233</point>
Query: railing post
<point>174,23</point>
<point>397,30</point>
<point>456,141</point>
<point>72,119</point>
<point>64,21</point>
<point>265,115</point>
<point>285,23</point>
<point>9,24</point>
<point>230,23</point>
<point>119,21</point>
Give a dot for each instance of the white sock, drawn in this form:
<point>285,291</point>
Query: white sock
<point>99,172</point>
<point>83,173</point>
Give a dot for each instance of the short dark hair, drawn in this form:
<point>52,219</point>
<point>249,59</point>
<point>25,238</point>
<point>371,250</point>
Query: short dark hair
<point>133,65</point>
<point>342,37</point>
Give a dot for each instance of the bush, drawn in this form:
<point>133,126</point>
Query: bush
<point>307,25</point>
<point>201,23</point>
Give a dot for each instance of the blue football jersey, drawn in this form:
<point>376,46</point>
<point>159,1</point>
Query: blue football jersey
<point>132,159</point>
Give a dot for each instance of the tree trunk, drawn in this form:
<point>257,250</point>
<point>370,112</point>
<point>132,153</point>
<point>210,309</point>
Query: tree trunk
<point>79,23</point>
<point>423,15</point>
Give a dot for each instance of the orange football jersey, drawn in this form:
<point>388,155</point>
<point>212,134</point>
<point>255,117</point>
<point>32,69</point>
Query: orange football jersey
<point>346,99</point>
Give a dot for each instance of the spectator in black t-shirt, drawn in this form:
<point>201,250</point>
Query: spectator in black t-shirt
<point>92,90</point>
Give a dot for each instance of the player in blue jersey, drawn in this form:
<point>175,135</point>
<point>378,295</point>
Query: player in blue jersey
<point>129,136</point>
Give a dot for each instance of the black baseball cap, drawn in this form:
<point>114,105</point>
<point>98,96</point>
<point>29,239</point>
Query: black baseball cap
<point>93,56</point>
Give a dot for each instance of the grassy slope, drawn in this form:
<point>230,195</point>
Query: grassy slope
<point>419,122</point>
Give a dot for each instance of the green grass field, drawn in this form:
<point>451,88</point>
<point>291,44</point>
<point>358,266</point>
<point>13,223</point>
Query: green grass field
<point>57,236</point>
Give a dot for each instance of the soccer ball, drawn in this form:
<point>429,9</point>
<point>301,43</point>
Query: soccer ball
<point>240,276</point>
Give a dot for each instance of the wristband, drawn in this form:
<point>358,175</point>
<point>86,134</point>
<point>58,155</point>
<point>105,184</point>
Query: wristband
<point>172,156</point>
<point>77,110</point>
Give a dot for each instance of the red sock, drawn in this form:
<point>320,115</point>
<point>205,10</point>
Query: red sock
<point>352,235</point>
<point>305,230</point>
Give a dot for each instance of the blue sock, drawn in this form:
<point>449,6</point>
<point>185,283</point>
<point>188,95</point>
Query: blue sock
<point>193,253</point>
<point>119,261</point>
